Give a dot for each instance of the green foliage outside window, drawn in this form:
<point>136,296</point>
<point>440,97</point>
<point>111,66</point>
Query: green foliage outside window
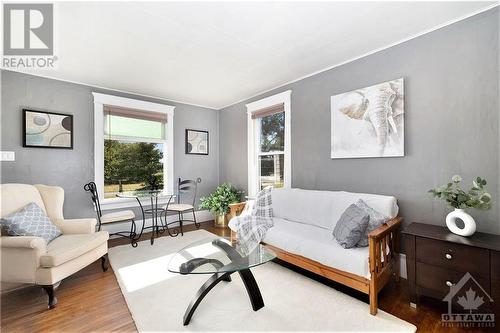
<point>133,163</point>
<point>272,130</point>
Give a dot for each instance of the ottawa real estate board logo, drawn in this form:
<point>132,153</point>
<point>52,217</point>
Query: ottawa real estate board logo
<point>28,36</point>
<point>469,305</point>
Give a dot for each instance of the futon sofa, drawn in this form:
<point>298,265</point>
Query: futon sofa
<point>302,235</point>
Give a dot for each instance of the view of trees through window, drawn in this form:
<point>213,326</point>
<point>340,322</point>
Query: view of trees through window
<point>272,148</point>
<point>131,166</point>
<point>272,129</point>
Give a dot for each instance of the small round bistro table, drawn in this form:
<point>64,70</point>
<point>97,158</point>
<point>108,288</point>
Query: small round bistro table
<point>218,257</point>
<point>155,211</point>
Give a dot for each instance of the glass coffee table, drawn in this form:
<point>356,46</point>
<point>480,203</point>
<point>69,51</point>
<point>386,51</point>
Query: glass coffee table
<point>218,257</point>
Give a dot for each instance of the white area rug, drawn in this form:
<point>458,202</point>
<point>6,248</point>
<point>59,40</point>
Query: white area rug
<point>157,298</point>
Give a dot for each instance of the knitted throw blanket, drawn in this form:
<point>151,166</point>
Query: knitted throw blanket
<point>252,227</point>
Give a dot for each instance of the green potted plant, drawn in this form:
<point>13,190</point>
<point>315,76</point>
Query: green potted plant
<point>218,202</point>
<point>457,198</point>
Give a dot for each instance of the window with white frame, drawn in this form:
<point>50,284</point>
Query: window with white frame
<point>269,143</point>
<point>133,145</point>
<point>134,150</point>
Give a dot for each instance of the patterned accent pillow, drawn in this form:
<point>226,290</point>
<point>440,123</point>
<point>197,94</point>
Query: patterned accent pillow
<point>376,220</point>
<point>30,221</point>
<point>263,203</point>
<point>351,226</point>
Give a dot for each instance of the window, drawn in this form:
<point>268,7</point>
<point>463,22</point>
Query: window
<point>133,147</point>
<point>269,143</point>
<point>134,150</point>
<point>271,150</point>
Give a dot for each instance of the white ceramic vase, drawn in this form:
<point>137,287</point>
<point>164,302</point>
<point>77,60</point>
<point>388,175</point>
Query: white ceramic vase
<point>469,223</point>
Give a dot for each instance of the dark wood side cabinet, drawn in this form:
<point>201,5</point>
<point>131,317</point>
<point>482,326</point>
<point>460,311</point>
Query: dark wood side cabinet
<point>436,259</point>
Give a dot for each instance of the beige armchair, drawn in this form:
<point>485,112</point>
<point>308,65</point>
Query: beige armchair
<point>27,259</point>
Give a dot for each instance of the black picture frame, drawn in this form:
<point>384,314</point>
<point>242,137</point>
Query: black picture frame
<point>71,126</point>
<point>188,147</point>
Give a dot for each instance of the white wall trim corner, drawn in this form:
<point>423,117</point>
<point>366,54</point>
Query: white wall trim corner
<point>104,99</point>
<point>285,98</point>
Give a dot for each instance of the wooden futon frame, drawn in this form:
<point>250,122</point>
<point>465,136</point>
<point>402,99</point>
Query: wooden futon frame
<point>383,259</point>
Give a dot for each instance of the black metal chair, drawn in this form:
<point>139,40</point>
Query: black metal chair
<point>186,199</point>
<point>114,217</point>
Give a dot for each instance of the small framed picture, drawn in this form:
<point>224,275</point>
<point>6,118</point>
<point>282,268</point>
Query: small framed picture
<point>47,129</point>
<point>196,142</point>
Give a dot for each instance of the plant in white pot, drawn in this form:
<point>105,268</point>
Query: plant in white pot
<point>218,202</point>
<point>457,198</point>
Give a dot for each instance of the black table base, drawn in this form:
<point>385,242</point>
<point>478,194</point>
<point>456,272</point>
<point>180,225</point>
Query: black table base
<point>157,227</point>
<point>250,284</point>
<point>245,274</point>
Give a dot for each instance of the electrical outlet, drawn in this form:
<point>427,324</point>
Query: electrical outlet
<point>7,156</point>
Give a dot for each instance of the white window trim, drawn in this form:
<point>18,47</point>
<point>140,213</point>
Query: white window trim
<point>252,132</point>
<point>168,168</point>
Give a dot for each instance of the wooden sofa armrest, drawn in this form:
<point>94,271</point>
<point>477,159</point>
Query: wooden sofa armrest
<point>235,209</point>
<point>383,245</point>
<point>386,228</point>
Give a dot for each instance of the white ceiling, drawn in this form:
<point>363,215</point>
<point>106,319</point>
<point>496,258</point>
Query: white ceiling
<point>215,54</point>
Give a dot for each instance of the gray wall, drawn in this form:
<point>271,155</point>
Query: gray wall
<point>73,168</point>
<point>452,120</point>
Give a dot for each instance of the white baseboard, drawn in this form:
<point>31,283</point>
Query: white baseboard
<point>201,216</point>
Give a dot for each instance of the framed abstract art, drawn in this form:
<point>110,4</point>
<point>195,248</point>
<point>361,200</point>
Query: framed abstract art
<point>196,142</point>
<point>47,129</point>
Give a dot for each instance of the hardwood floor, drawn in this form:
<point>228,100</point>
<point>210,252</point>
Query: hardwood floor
<point>91,301</point>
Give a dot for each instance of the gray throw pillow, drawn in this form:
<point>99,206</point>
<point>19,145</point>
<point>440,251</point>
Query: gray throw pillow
<point>351,226</point>
<point>30,221</point>
<point>376,220</point>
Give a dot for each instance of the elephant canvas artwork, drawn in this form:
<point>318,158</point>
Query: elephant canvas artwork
<point>368,122</point>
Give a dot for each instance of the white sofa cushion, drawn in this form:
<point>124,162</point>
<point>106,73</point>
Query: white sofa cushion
<point>324,208</point>
<point>317,244</point>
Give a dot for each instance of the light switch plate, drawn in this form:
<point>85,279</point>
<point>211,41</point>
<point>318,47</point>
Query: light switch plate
<point>7,156</point>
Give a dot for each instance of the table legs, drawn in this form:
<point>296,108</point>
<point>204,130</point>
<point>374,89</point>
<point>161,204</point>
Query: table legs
<point>245,274</point>
<point>202,292</point>
<point>155,216</point>
<point>248,280</point>
<point>252,289</point>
